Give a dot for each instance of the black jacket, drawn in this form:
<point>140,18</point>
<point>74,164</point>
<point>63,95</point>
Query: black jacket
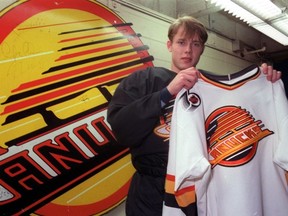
<point>140,123</point>
<point>137,118</point>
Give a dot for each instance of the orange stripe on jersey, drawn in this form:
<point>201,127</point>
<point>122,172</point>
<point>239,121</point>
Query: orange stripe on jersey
<point>222,84</point>
<point>169,184</point>
<point>186,196</point>
<point>169,187</point>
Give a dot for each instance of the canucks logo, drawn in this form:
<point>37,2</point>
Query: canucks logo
<point>233,135</point>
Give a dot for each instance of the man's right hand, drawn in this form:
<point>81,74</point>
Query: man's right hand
<point>184,79</point>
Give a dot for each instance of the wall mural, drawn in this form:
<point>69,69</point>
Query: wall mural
<point>60,62</point>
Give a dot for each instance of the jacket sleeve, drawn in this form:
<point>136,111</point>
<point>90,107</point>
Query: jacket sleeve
<point>134,109</point>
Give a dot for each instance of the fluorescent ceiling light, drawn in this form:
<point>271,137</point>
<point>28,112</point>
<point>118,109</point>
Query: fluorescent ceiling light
<point>262,15</point>
<point>264,9</point>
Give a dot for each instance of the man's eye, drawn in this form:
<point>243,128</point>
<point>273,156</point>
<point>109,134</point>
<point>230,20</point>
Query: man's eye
<point>181,42</point>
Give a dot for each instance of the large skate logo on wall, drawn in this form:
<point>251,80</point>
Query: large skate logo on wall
<point>60,62</point>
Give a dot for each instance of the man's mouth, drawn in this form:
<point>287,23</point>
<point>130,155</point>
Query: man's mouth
<point>187,59</point>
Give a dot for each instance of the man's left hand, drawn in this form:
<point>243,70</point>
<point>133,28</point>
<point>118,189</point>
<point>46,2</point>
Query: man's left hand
<point>272,74</point>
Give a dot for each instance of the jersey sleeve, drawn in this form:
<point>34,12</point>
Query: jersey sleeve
<point>281,111</point>
<point>188,167</point>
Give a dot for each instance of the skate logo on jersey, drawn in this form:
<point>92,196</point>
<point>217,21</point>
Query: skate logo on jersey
<point>164,126</point>
<point>232,135</point>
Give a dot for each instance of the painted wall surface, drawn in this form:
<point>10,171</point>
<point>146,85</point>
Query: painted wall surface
<point>60,63</point>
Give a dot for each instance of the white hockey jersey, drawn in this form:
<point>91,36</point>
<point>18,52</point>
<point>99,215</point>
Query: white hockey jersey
<point>229,140</point>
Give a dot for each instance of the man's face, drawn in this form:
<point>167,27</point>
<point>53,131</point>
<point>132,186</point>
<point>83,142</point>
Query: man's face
<point>185,49</point>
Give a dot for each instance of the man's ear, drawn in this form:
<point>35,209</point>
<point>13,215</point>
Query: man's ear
<point>169,44</point>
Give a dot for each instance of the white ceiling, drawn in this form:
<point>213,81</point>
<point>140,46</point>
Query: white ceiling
<point>223,23</point>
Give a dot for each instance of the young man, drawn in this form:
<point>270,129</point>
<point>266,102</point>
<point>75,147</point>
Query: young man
<point>141,108</point>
